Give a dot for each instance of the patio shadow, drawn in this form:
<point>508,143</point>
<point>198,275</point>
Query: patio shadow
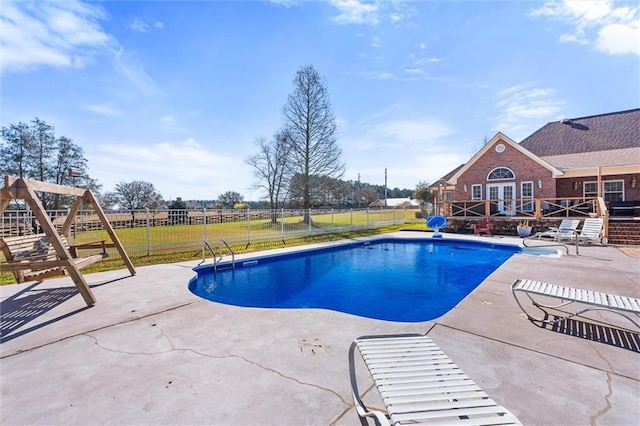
<point>30,303</point>
<point>601,333</point>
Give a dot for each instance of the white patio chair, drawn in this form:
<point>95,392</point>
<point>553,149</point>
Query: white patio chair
<point>567,228</point>
<point>418,383</point>
<point>590,232</point>
<point>622,305</point>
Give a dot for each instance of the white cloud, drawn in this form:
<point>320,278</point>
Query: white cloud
<point>62,34</point>
<point>168,119</point>
<point>128,65</point>
<point>285,3</point>
<point>143,27</point>
<point>102,109</point>
<point>403,132</point>
<point>612,30</point>
<point>355,12</point>
<point>176,169</point>
<point>371,12</point>
<point>619,39</point>
<point>139,25</point>
<point>413,149</point>
<point>522,107</point>
<point>396,17</point>
<point>572,38</point>
<point>48,33</point>
<point>379,130</point>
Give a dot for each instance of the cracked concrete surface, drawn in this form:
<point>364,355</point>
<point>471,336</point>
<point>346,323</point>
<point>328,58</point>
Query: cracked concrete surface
<point>150,352</point>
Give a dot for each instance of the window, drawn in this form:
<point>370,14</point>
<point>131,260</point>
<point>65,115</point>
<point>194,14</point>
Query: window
<point>501,173</point>
<point>526,192</point>
<point>612,190</point>
<point>476,192</point>
<point>590,189</point>
<point>493,192</point>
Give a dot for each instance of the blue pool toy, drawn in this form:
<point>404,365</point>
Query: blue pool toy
<point>436,223</point>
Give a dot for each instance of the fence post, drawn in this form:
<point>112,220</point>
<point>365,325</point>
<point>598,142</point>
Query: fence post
<point>204,229</point>
<point>309,228</point>
<point>248,228</point>
<point>148,232</point>
<point>367,216</point>
<point>204,224</point>
<point>351,218</point>
<point>282,225</point>
<point>332,226</point>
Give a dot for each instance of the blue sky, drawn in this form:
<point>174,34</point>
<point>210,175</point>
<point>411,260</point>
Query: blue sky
<point>176,93</point>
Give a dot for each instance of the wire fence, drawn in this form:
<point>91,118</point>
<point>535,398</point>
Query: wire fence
<point>150,232</point>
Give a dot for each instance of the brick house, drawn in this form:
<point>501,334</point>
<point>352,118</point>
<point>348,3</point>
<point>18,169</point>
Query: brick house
<point>560,164</point>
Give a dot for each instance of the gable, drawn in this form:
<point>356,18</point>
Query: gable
<point>498,144</point>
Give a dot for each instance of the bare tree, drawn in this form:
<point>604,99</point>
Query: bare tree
<point>367,194</point>
<point>270,169</point>
<point>311,128</point>
<point>325,191</point>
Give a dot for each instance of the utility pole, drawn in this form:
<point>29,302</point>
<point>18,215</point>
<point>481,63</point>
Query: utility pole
<point>385,187</point>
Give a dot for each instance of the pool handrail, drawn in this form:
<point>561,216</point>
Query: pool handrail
<point>205,244</point>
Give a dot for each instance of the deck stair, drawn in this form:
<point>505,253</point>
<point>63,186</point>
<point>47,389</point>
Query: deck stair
<point>624,232</point>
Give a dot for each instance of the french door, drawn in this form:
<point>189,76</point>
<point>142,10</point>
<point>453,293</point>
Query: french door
<point>504,194</point>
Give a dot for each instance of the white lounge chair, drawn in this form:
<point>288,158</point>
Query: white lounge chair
<point>420,384</point>
<point>591,232</point>
<point>567,228</point>
<point>622,305</point>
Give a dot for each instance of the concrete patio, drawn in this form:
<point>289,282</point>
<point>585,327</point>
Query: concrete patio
<point>150,352</point>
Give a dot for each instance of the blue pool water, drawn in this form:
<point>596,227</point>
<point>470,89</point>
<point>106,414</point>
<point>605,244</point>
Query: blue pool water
<point>395,280</point>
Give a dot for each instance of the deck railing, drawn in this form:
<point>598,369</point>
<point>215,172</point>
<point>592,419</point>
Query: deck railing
<point>539,209</point>
<point>532,208</point>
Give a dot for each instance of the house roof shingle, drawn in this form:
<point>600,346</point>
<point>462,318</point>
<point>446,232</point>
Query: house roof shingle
<point>616,130</point>
<point>584,160</point>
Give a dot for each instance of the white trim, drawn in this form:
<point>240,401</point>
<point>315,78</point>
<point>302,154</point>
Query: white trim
<point>501,179</point>
<point>527,206</point>
<point>476,185</point>
<point>603,187</point>
<point>505,205</point>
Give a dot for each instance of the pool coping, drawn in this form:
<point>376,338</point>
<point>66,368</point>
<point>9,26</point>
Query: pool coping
<point>150,352</point>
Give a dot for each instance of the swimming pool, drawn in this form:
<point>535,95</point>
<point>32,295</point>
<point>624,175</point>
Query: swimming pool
<point>390,279</point>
